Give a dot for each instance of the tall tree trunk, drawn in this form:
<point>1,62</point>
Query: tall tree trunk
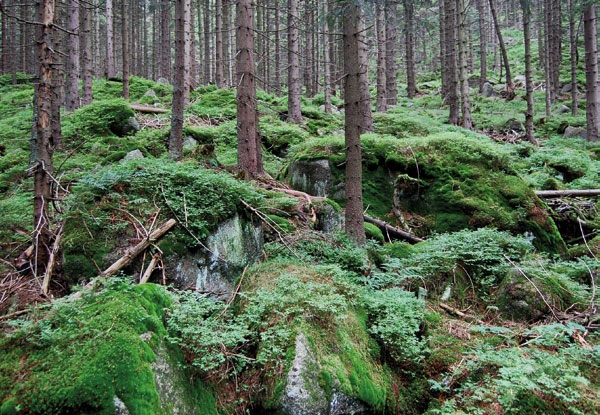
<point>352,96</point>
<point>510,90</point>
<point>391,50</point>
<point>309,48</point>
<point>42,141</point>
<point>363,75</point>
<point>380,105</point>
<point>294,79</point>
<point>193,64</point>
<point>249,145</point>
<point>574,59</point>
<point>463,65</point>
<point>85,44</point>
<point>187,51</point>
<point>176,135</point>
<point>451,61</point>
<point>219,43</point>
<point>165,40</point>
<point>277,47</point>
<point>228,43</point>
<point>72,69</point>
<point>592,86</point>
<point>208,67</point>
<point>411,78</point>
<point>110,41</point>
<point>528,81</point>
<point>482,46</point>
<point>5,42</point>
<point>125,48</point>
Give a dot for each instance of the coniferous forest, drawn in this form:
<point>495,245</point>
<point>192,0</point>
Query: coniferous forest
<point>299,207</point>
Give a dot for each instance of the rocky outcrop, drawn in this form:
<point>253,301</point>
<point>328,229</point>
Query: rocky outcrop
<point>311,176</point>
<point>233,245</point>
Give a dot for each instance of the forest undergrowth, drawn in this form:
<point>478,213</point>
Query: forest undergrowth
<point>495,312</point>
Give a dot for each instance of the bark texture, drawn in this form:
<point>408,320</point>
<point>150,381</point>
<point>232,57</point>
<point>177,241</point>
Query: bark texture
<point>591,73</point>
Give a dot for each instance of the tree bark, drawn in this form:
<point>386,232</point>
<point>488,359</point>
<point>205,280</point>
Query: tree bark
<point>482,46</point>
<point>72,68</point>
<point>85,45</point>
<point>326,63</point>
<point>352,122</point>
<point>528,81</point>
<point>176,135</point>
<point>411,77</point>
<point>574,59</point>
<point>165,40</point>
<point>219,43</point>
<point>450,22</point>
<point>309,48</point>
<point>125,48</point>
<point>42,142</point>
<point>294,79</point>
<point>463,65</point>
<point>592,85</point>
<point>391,50</point>
<point>249,145</point>
<point>277,48</point>
<point>208,67</point>
<point>510,90</point>
<point>380,105</point>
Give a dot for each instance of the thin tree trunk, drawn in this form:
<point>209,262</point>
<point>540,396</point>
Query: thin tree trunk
<point>193,64</point>
<point>110,41</point>
<point>219,43</point>
<point>391,49</point>
<point>85,46</point>
<point>528,81</point>
<point>482,46</point>
<point>42,142</point>
<point>72,69</point>
<point>574,59</point>
<point>591,73</point>
<point>5,43</point>
<point>510,90</point>
<point>451,62</point>
<point>165,37</point>
<point>208,67</point>
<point>249,145</point>
<point>278,47</point>
<point>326,63</point>
<point>125,48</point>
<point>463,65</point>
<point>309,47</point>
<point>363,76</point>
<point>353,117</point>
<point>380,105</point>
<point>187,51</point>
<point>411,78</point>
<point>294,79</point>
<point>176,135</point>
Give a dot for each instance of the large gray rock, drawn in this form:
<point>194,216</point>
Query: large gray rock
<point>566,88</point>
<point>232,246</point>
<point>133,155</point>
<point>311,176</point>
<point>562,109</point>
<point>575,132</point>
<point>303,394</point>
<point>514,125</point>
<point>171,385</point>
<point>488,90</point>
<point>120,408</point>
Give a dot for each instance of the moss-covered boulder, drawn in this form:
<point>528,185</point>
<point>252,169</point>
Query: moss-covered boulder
<point>83,356</point>
<point>443,182</point>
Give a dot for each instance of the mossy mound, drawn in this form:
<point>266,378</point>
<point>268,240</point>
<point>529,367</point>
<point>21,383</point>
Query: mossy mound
<point>81,354</point>
<point>443,182</point>
<point>451,182</point>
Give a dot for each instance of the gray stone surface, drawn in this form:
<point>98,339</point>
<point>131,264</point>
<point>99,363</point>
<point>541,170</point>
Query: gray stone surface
<point>311,176</point>
<point>575,132</point>
<point>133,155</point>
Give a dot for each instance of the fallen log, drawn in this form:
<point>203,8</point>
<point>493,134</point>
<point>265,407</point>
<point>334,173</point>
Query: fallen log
<point>147,109</point>
<point>392,231</point>
<point>565,193</point>
<point>139,248</point>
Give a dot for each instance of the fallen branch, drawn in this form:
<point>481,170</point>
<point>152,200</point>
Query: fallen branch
<point>138,249</point>
<point>460,314</point>
<point>563,193</point>
<point>150,268</point>
<point>146,109</point>
<point>52,261</point>
<point>392,231</point>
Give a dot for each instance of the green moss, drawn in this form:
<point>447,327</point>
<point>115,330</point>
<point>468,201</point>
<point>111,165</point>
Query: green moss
<point>373,232</point>
<point>97,119</point>
<point>83,353</point>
